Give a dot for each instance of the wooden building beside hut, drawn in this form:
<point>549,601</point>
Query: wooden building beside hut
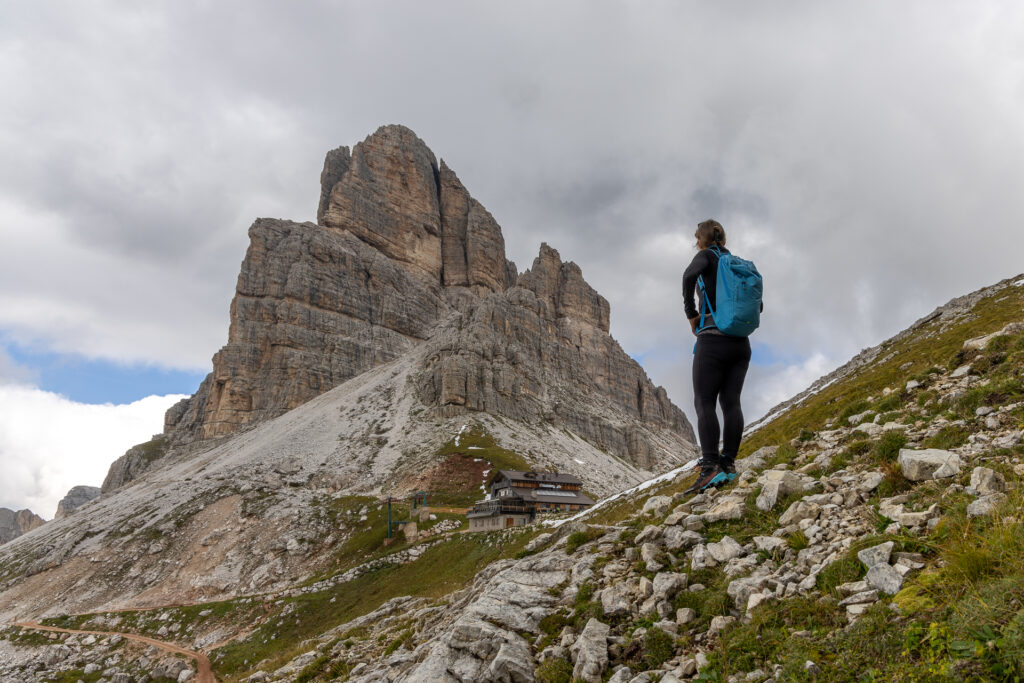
<point>516,498</point>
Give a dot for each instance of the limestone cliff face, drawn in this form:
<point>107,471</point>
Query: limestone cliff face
<point>14,524</point>
<point>313,308</point>
<point>472,247</point>
<point>402,255</point>
<point>541,351</point>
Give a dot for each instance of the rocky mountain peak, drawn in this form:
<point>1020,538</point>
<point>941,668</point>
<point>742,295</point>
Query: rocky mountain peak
<point>76,498</point>
<point>403,258</point>
<point>14,524</point>
<point>561,286</point>
<point>389,197</point>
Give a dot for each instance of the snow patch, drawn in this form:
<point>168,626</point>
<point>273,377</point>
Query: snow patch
<point>1019,283</point>
<point>579,461</point>
<point>458,437</point>
<point>754,426</point>
<point>671,474</point>
<point>474,448</point>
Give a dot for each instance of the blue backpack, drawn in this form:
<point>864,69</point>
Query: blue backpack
<point>737,310</point>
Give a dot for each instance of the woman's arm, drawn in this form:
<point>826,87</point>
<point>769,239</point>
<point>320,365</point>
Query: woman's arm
<point>696,267</point>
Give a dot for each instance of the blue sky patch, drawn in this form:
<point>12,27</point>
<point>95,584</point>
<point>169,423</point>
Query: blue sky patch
<point>99,381</point>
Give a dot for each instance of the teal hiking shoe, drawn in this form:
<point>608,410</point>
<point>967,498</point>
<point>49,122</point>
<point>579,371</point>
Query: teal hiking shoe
<point>708,472</point>
<point>721,479</point>
<point>726,474</point>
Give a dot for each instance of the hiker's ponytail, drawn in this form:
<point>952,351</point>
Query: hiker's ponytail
<point>710,232</point>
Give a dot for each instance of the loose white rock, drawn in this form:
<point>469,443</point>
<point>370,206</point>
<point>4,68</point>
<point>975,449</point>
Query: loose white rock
<point>878,554</point>
<point>986,505</point>
<point>725,550</point>
<point>718,624</point>
<point>798,511</point>
<point>591,652</point>
<point>987,481</point>
<point>768,544</point>
<point>684,615</point>
<point>884,578</point>
<point>657,505</point>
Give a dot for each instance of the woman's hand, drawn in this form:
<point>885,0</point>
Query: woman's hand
<point>693,325</point>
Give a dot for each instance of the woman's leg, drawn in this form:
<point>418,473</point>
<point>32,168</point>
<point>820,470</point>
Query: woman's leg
<point>707,385</point>
<point>729,397</point>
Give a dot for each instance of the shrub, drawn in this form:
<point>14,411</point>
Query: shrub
<point>948,437</point>
<point>887,448</point>
<point>894,481</point>
<point>578,538</point>
<point>555,670</point>
<point>889,403</point>
<point>658,647</point>
<point>798,540</point>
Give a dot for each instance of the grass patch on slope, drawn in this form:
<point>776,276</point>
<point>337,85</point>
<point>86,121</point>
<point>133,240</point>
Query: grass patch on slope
<point>186,619</point>
<point>962,617</point>
<point>475,442</point>
<point>442,568</point>
<point>926,348</point>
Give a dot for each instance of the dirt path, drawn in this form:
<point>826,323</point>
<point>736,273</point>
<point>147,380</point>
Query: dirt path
<point>204,673</point>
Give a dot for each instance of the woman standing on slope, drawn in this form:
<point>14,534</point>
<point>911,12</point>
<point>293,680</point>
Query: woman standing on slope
<point>720,363</point>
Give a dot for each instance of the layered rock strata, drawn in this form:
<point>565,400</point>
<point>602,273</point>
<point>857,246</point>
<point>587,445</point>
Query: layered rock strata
<point>403,255</point>
<point>541,351</point>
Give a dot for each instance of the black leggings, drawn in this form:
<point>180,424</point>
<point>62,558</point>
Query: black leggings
<point>719,368</point>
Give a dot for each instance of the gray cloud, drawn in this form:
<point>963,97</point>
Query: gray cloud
<point>867,156</point>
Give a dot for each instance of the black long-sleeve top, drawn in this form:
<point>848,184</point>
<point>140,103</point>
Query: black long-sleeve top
<point>705,264</point>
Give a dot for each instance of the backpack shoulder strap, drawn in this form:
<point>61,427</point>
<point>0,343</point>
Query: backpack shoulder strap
<point>706,307</point>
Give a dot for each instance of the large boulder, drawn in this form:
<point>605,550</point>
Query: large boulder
<point>885,578</point>
<point>616,600</point>
<point>667,584</point>
<point>725,549</point>
<point>986,505</point>
<point>657,505</point>
<point>728,507</point>
<point>777,484</point>
<point>878,554</point>
<point>590,652</point>
<point>931,463</point>
<point>677,538</point>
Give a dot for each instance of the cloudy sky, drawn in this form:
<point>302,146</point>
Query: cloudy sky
<point>868,156</point>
